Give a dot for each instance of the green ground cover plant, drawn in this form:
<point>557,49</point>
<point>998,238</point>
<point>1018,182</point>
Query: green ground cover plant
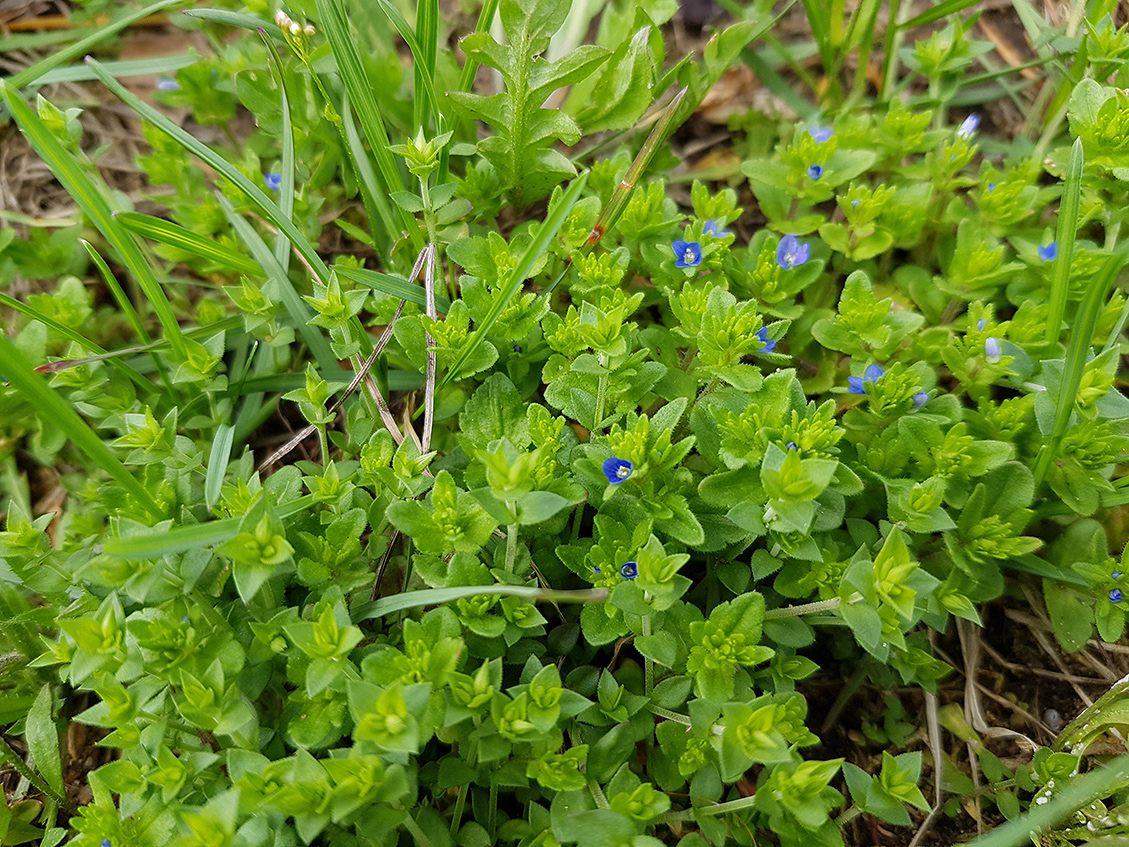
<point>582,486</point>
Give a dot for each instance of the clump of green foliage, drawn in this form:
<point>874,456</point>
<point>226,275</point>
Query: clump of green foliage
<point>557,568</point>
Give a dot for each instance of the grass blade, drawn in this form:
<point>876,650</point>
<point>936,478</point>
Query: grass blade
<point>125,68</point>
<point>182,238</point>
<point>217,463</point>
<point>286,189</point>
<point>81,48</point>
<point>52,407</point>
<point>254,194</point>
<point>422,46</point>
<point>536,249</point>
<point>92,202</point>
<point>941,10</point>
<point>392,285</point>
<point>341,39</point>
<point>1067,228</point>
<point>374,197</point>
<point>485,21</point>
<point>437,596</point>
<point>236,19</point>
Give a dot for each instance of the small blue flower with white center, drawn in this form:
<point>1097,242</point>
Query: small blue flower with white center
<point>273,181</point>
<point>768,345</point>
<point>969,126</point>
<point>1115,595</point>
<point>820,133</point>
<point>166,84</point>
<point>617,470</point>
<point>919,400</point>
<point>792,253</point>
<point>992,349</point>
<point>629,571</point>
<point>1048,253</point>
<point>687,254</point>
<point>858,384</point>
<point>815,172</point>
<point>711,228</point>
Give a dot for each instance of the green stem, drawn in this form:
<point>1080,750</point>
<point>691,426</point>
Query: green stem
<point>718,809</point>
<point>323,442</point>
<point>805,609</point>
<point>511,546</point>
<point>601,392</point>
<point>598,794</point>
<point>648,664</point>
<point>848,816</point>
<point>418,835</point>
<point>668,714</point>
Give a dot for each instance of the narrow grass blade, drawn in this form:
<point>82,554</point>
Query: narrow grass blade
<point>286,188</point>
<point>335,24</point>
<point>91,200</point>
<point>1078,791</point>
<point>395,286</point>
<point>81,48</point>
<point>254,194</point>
<point>940,10</point>
<point>236,19</point>
<point>1068,213</point>
<point>299,312</point>
<point>217,463</point>
<point>77,338</point>
<point>429,379</point>
<point>422,44</point>
<point>126,68</point>
<point>485,21</point>
<point>437,596</point>
<point>52,407</point>
<point>180,539</point>
<point>182,238</point>
<point>1078,354</point>
<point>377,207</point>
<point>516,279</point>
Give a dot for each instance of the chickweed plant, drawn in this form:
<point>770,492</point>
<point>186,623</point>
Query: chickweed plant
<point>437,469</point>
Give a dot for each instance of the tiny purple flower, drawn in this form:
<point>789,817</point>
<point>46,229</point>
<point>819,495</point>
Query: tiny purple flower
<point>711,228</point>
<point>629,571</point>
<point>767,344</point>
<point>184,619</point>
<point>273,181</point>
<point>166,84</point>
<point>792,445</point>
<point>815,172</point>
<point>595,569</point>
<point>617,470</point>
<point>919,400</point>
<point>970,125</point>
<point>687,254</point>
<point>857,384</point>
<point>1048,253</point>
<point>1115,595</point>
<point>820,133</point>
<point>992,349</point>
<point>980,324</point>
<point>991,187</point>
<point>791,253</point>
<point>855,203</point>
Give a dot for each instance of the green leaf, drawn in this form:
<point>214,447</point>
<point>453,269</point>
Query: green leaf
<point>42,738</point>
<point>174,235</point>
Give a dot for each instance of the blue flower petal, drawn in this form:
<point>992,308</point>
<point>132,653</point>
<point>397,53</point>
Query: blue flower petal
<point>274,181</point>
<point>855,385</point>
<point>815,172</point>
<point>617,470</point>
<point>1115,595</point>
<point>969,126</point>
<point>919,400</point>
<point>687,254</point>
<point>768,345</point>
<point>992,349</point>
<point>791,252</point>
<point>629,571</point>
<point>873,373</point>
<point>711,228</point>
<point>1048,253</point>
<point>820,133</point>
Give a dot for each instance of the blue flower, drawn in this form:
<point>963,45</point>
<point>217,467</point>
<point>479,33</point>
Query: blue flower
<point>687,254</point>
<point>791,253</point>
<point>970,125</point>
<point>1115,595</point>
<point>595,568</point>
<point>792,445</point>
<point>184,619</point>
<point>855,203</point>
<point>980,324</point>
<point>815,172</point>
<point>991,187</point>
<point>1115,575</point>
<point>992,349</point>
<point>820,133</point>
<point>767,344</point>
<point>107,843</point>
<point>1048,253</point>
<point>919,400</point>
<point>617,470</point>
<point>857,384</point>
<point>629,571</point>
<point>711,229</point>
<point>274,181</point>
<point>166,84</point>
